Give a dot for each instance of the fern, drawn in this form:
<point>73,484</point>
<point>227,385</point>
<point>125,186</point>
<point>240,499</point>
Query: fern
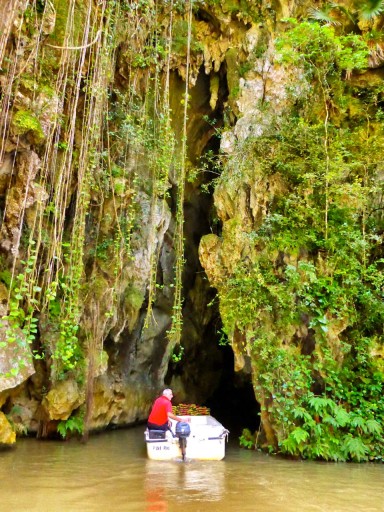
<point>321,404</point>
<point>302,414</point>
<point>371,9</point>
<point>73,424</point>
<point>342,417</point>
<point>357,422</point>
<point>299,435</point>
<point>324,15</point>
<point>330,420</point>
<point>295,440</point>
<point>372,427</point>
<point>355,448</point>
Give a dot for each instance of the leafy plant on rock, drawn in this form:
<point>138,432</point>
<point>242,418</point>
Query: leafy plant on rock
<point>308,299</point>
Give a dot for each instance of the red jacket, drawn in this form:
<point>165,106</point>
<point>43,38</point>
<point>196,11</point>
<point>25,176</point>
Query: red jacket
<point>161,407</point>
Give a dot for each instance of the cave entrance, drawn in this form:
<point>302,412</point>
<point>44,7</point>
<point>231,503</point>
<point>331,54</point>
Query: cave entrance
<point>205,373</point>
<point>233,401</point>
<point>206,376</point>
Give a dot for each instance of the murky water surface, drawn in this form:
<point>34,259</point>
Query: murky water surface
<point>112,473</point>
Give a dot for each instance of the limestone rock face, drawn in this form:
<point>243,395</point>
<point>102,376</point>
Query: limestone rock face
<point>5,172</point>
<point>7,435</point>
<point>120,403</point>
<point>210,256</point>
<point>16,364</point>
<point>8,13</point>
<point>22,195</point>
<point>62,399</point>
<point>24,413</point>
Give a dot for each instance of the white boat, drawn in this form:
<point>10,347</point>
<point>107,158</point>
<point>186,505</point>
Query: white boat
<point>206,441</point>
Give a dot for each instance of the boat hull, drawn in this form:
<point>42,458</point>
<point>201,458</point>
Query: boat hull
<point>206,441</point>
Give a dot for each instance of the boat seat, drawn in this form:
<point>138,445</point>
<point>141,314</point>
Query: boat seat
<point>156,434</point>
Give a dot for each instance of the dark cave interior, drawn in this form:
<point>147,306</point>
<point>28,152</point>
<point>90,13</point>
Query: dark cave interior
<point>208,366</point>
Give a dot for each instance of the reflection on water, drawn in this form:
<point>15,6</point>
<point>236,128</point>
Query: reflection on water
<point>112,473</point>
<point>192,481</point>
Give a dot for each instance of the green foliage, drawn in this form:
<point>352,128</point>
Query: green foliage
<point>67,351</point>
<point>22,324</point>
<point>74,424</point>
<point>103,249</point>
<point>6,277</point>
<point>320,50</point>
<point>247,439</point>
<point>68,354</point>
<point>180,37</point>
<point>177,354</point>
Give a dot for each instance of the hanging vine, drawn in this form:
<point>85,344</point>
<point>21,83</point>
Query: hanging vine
<point>175,331</point>
<point>84,151</point>
<point>161,158</point>
<point>60,165</point>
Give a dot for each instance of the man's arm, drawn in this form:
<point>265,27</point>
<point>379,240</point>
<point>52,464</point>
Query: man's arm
<point>178,418</point>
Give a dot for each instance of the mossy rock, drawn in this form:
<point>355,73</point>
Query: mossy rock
<point>98,286</point>
<point>233,75</point>
<point>62,12</point>
<point>134,298</point>
<point>180,38</point>
<point>52,56</point>
<point>25,122</point>
<point>6,277</point>
<point>246,10</point>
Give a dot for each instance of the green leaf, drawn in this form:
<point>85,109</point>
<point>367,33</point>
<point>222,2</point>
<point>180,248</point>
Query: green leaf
<point>299,435</point>
<point>355,448</point>
<point>341,416</point>
<point>373,427</point>
<point>321,404</point>
<point>323,15</point>
<point>289,445</point>
<point>357,422</point>
<point>371,9</point>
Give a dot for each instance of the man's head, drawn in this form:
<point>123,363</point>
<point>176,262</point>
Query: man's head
<point>168,393</point>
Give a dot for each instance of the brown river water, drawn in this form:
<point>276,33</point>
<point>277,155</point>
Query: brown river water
<point>111,473</point>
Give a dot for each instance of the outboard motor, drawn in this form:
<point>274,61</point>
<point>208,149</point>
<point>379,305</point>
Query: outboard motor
<point>183,430</point>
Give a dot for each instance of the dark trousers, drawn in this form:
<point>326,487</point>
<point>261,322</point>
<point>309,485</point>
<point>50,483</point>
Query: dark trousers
<point>153,426</point>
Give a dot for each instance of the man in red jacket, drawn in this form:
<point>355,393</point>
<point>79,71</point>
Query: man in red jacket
<point>161,413</point>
